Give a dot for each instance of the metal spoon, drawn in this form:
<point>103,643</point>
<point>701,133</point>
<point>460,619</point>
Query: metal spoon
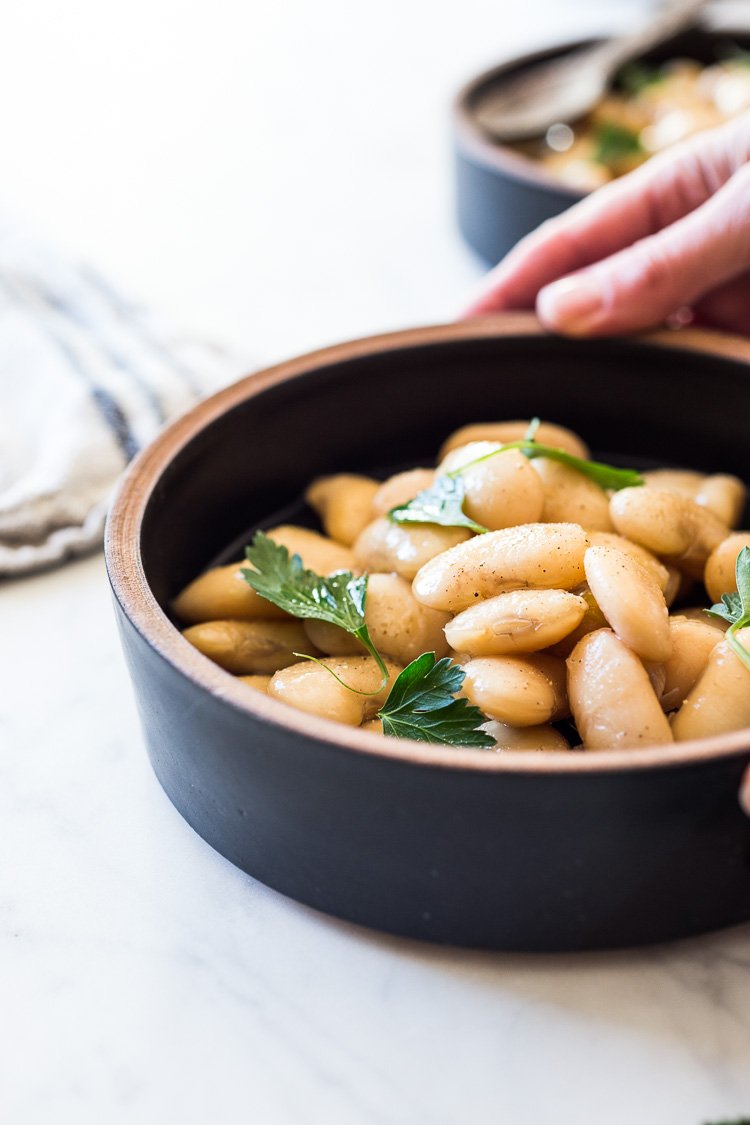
<point>565,89</point>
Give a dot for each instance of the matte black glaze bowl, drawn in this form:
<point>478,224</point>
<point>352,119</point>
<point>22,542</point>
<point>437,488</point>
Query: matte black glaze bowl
<point>523,851</point>
<point>501,194</point>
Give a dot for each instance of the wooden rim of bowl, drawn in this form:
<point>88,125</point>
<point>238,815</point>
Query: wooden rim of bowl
<point>128,579</point>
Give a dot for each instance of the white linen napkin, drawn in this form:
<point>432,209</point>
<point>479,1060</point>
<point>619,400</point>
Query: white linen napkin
<point>86,380</point>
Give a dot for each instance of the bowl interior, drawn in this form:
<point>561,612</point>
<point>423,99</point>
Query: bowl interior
<point>634,402</point>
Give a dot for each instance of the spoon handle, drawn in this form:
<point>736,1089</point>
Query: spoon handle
<point>673,18</point>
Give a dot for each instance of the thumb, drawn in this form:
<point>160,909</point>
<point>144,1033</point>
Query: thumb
<point>642,285</point>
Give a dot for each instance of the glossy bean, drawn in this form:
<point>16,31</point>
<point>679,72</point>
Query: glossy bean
<point>244,647</point>
<point>522,691</point>
<point>720,700</point>
<point>317,552</point>
<point>516,622</point>
<point>502,490</point>
<point>258,683</point>
<point>343,503</point>
<point>631,600</point>
<point>544,737</point>
<point>387,547</point>
<point>672,526</point>
<point>719,576</point>
<point>693,641</point>
<point>223,593</point>
<point>613,703</point>
<point>309,687</point>
<point>400,489</point>
<point>537,555</point>
<point>610,539</point>
<point>571,497</point>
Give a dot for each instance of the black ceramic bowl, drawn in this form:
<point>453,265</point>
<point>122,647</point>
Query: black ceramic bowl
<point>501,194</point>
<point>524,851</point>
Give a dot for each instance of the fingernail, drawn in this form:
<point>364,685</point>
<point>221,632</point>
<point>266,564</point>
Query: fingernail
<point>572,303</point>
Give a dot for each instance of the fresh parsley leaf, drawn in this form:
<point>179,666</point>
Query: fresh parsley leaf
<point>637,76</point>
<point>614,143</point>
<point>337,598</point>
<point>735,608</point>
<point>442,504</point>
<point>421,706</point>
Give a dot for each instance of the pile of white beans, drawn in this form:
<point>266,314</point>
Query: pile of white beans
<point>560,611</point>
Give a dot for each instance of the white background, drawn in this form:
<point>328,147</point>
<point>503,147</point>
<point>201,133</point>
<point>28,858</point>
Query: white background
<point>277,175</point>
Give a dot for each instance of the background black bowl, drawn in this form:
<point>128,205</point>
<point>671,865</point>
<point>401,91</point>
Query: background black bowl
<point>501,194</point>
<point>513,851</point>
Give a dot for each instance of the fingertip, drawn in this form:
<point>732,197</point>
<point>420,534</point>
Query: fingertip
<point>573,305</point>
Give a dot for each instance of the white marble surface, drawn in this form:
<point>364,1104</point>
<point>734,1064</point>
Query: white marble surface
<point>142,978</point>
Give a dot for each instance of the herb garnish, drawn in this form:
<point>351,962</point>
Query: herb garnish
<point>615,143</point>
<point>421,706</point>
<point>637,76</point>
<point>338,598</point>
<point>442,503</point>
<point>735,607</point>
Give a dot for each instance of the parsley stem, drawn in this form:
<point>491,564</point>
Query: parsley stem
<point>363,636</point>
<point>736,646</point>
<point>606,476</point>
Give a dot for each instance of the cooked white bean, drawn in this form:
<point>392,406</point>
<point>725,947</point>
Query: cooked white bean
<point>571,497</point>
<point>399,626</point>
<point>344,504</point>
<point>400,489</point>
<point>223,593</point>
<point>317,552</point>
<point>309,687</point>
<point>243,647</point>
<point>725,496</point>
<point>685,482</point>
<point>404,548</point>
<point>720,700</point>
<point>719,576</point>
<point>721,493</point>
<point>543,737</point>
<point>693,642</point>
<point>548,434</point>
<point>613,703</point>
<point>660,572</point>
<point>631,600</point>
<point>538,555</point>
<point>257,682</point>
<point>517,622</point>
<point>698,613</point>
<point>670,525</point>
<point>501,491</point>
<point>522,691</point>
<point>592,620</point>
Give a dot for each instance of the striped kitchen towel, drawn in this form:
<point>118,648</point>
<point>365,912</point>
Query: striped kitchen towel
<point>86,380</point>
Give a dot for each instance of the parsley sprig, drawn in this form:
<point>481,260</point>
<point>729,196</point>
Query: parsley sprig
<point>421,703</point>
<point>735,607</point>
<point>443,502</point>
<point>422,706</point>
<point>337,598</point>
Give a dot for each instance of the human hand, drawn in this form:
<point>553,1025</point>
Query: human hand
<point>673,234</point>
